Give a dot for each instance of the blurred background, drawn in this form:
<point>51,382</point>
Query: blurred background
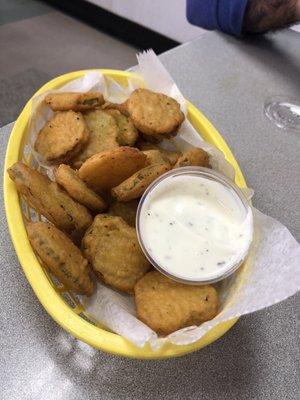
<point>42,39</point>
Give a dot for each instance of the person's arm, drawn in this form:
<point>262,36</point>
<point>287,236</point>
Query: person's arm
<point>224,15</point>
<point>265,15</point>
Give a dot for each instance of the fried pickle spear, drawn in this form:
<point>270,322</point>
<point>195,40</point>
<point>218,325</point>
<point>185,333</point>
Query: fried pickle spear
<point>135,185</point>
<point>62,137</point>
<point>113,250</point>
<point>74,101</point>
<point>60,256</point>
<point>166,306</point>
<point>156,115</point>
<point>49,199</point>
<point>77,189</point>
<point>194,157</point>
<point>127,134</point>
<point>109,168</point>
<point>127,210</point>
<point>103,135</point>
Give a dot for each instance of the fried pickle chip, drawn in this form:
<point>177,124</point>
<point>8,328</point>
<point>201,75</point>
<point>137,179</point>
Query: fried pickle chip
<point>109,168</point>
<point>62,137</point>
<point>135,185</point>
<point>74,101</point>
<point>168,155</point>
<point>116,106</point>
<point>194,157</point>
<point>77,189</point>
<point>113,250</point>
<point>127,134</point>
<point>60,256</point>
<point>49,199</point>
<point>166,306</point>
<point>155,157</point>
<point>127,211</point>
<point>103,135</point>
<point>154,114</point>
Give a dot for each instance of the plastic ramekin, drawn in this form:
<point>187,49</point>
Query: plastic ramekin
<point>207,174</point>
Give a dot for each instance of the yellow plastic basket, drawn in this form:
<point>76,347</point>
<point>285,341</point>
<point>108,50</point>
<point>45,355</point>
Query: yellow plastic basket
<point>60,304</point>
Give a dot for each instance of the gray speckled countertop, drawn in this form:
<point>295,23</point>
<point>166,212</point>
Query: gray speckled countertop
<point>257,359</point>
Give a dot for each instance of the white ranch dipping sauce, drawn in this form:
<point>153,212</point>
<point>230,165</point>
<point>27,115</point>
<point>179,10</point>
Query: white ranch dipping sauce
<point>194,228</point>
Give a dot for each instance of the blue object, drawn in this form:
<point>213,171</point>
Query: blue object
<point>224,15</point>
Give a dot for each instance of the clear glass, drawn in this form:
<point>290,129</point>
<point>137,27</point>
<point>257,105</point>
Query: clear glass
<point>191,171</point>
<point>284,112</point>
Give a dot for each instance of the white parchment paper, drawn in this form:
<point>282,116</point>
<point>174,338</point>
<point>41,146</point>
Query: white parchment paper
<point>271,272</point>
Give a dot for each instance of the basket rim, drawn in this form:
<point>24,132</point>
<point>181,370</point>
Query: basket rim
<point>51,301</point>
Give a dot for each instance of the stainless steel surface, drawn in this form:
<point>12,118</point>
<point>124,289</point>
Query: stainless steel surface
<point>257,359</point>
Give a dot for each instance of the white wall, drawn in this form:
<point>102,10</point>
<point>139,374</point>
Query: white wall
<point>164,16</point>
<point>167,17</point>
<point>296,27</point>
